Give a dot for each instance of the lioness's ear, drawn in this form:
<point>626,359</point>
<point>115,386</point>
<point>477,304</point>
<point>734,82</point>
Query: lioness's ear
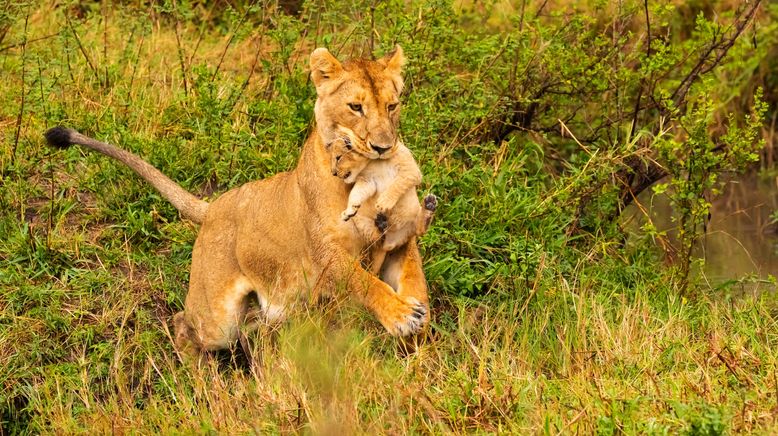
<point>324,67</point>
<point>394,61</point>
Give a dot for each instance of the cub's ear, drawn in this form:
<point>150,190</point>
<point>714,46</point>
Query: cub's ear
<point>324,67</point>
<point>394,61</point>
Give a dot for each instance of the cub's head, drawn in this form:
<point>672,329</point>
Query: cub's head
<point>359,100</point>
<point>346,162</point>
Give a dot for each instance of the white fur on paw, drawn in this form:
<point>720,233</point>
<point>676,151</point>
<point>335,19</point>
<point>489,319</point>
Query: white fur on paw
<point>414,322</point>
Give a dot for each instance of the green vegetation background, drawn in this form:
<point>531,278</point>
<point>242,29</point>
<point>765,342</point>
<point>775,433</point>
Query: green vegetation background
<point>521,115</point>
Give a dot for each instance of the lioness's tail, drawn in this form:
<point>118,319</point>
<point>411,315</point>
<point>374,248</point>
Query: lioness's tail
<point>190,206</point>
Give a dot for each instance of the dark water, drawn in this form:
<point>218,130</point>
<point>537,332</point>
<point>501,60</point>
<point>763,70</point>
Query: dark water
<point>741,238</point>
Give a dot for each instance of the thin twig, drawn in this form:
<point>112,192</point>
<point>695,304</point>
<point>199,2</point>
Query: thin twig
<point>240,94</point>
<point>21,104</point>
<point>705,64</point>
<point>202,33</point>
<point>229,42</point>
<point>540,9</point>
<point>371,40</point>
<point>180,48</point>
<point>105,42</point>
<point>50,220</point>
<point>83,50</point>
<point>18,44</point>
<point>775,386</point>
<point>135,66</point>
<point>538,274</point>
<point>642,85</point>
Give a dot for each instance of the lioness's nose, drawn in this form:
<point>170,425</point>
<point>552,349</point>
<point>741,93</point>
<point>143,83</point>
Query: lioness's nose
<point>380,148</point>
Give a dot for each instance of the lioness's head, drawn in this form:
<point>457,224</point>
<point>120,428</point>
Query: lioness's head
<point>359,100</point>
<point>346,162</point>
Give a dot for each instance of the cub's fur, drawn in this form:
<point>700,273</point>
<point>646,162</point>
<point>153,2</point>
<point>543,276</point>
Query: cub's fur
<point>384,193</point>
<point>282,237</point>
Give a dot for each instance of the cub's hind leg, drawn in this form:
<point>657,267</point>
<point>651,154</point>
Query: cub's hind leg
<point>411,219</point>
<point>367,229</point>
<point>398,236</point>
<point>377,256</point>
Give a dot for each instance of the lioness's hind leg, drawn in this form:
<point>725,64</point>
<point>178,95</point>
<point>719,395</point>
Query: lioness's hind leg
<point>216,312</point>
<point>185,337</point>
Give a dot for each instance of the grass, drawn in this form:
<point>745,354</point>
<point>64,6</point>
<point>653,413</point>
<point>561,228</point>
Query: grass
<point>533,330</point>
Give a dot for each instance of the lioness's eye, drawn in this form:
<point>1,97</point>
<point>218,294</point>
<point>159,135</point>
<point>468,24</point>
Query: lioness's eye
<point>356,107</point>
<point>392,107</point>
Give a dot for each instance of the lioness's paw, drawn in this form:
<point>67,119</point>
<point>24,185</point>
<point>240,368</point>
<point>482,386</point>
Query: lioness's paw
<point>409,319</point>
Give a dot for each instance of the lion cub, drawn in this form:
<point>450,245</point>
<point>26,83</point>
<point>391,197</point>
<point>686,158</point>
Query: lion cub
<point>385,191</point>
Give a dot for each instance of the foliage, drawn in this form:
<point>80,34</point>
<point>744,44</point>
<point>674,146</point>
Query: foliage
<point>696,161</point>
<point>528,119</point>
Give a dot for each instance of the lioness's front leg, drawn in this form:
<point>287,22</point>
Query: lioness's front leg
<point>402,270</point>
<point>401,315</point>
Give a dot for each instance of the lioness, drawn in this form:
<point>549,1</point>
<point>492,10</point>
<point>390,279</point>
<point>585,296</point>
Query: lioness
<point>387,187</point>
<point>282,237</point>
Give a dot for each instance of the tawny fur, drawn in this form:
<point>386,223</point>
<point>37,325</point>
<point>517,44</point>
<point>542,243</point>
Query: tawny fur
<point>282,237</point>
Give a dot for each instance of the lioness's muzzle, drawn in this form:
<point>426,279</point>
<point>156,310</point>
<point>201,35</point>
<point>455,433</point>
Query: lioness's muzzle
<point>380,148</point>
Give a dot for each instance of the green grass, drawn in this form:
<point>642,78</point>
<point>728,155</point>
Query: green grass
<point>533,330</point>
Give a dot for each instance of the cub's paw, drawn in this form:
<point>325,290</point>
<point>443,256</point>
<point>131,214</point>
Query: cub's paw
<point>431,202</point>
<point>350,212</point>
<point>382,205</point>
<point>381,222</point>
<point>407,318</point>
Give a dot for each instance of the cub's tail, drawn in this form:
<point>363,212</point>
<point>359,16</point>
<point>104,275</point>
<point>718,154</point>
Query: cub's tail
<point>190,206</point>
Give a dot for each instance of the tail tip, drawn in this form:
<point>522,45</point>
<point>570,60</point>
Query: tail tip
<point>59,137</point>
